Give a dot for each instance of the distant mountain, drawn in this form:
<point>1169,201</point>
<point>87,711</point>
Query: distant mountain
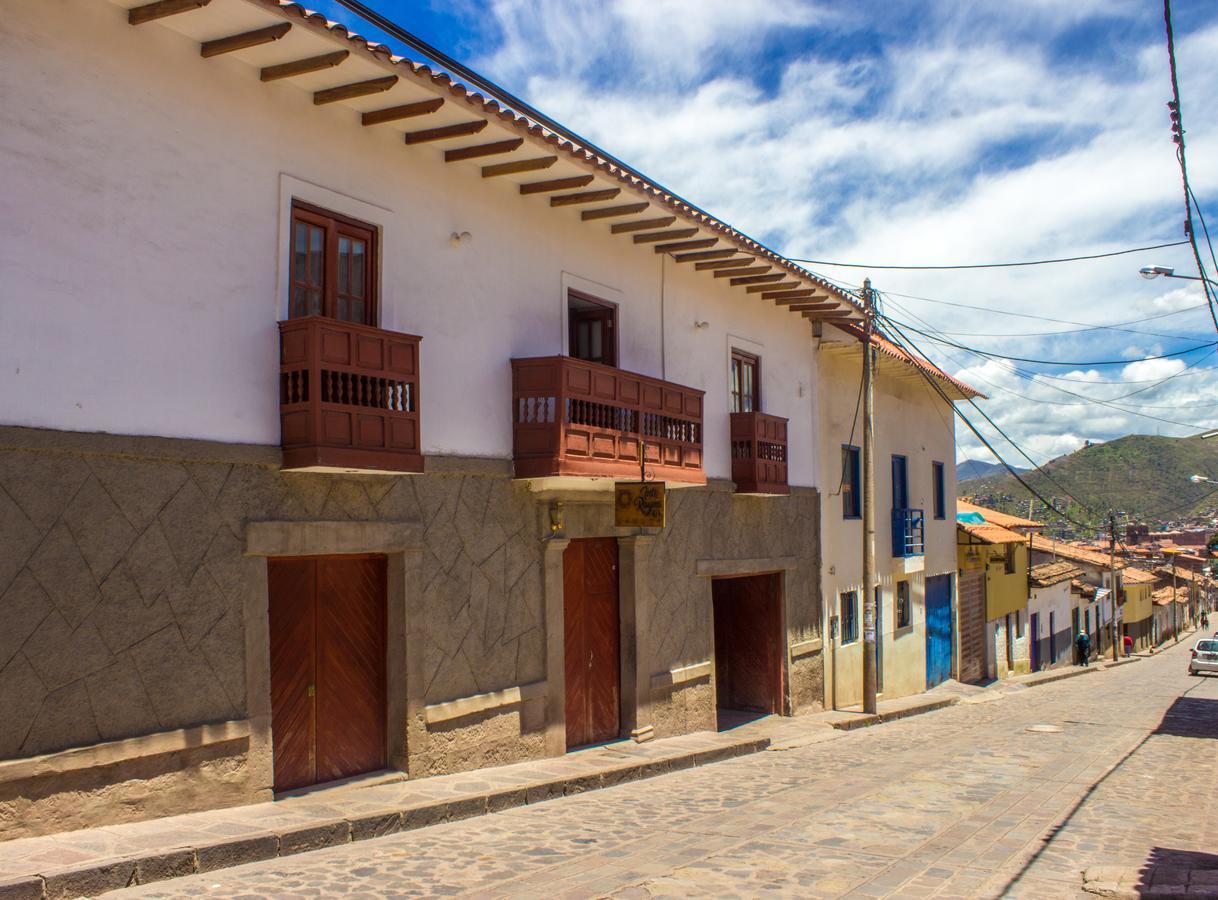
<point>972,469</point>
<point>1140,476</point>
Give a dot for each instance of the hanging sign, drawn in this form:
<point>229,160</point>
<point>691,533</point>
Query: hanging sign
<point>639,504</point>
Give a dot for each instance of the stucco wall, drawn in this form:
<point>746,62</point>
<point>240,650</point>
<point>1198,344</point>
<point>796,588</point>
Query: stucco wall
<point>123,582</point>
<point>1055,600</point>
<point>164,179</point>
<point>911,421</point>
<point>1005,592</point>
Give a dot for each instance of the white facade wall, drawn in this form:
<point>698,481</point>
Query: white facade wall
<point>1056,601</point>
<point>912,421</point>
<point>153,235</point>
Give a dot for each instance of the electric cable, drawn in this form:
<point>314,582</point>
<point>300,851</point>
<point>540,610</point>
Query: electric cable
<point>998,265</point>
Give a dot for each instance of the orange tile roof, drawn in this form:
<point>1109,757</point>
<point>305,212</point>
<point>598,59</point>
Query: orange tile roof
<point>1163,596</point>
<point>1049,574</point>
<point>1043,544</point>
<point>991,534</point>
<point>994,517</point>
<point>888,348</point>
<point>1137,576</point>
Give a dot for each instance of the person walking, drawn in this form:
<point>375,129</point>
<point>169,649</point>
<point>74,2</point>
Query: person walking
<point>1128,642</point>
<point>1082,643</point>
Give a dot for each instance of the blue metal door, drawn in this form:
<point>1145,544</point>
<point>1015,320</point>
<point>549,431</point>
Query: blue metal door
<point>938,629</point>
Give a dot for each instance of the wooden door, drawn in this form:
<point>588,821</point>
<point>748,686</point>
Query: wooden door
<point>327,642</point>
<point>748,643</point>
<point>592,643</point>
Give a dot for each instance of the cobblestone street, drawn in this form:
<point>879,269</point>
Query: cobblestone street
<point>1006,794</point>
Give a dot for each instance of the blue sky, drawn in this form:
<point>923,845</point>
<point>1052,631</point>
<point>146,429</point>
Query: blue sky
<point>935,131</point>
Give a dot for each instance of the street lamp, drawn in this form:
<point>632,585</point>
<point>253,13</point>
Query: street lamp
<point>1199,479</point>
<point>1168,272</point>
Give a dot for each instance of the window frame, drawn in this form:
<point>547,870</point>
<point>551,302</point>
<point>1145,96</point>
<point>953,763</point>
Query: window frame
<point>855,456</point>
<point>336,225</point>
<point>903,461</point>
<point>1009,564</point>
<point>606,311</point>
<point>743,358</point>
<point>903,600</point>
<point>938,480</point>
<point>852,620</point>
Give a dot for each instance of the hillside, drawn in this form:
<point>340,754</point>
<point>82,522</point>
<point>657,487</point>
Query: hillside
<point>1141,476</point>
<point>972,469</point>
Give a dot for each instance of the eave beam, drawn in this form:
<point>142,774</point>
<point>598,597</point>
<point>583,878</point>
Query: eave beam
<point>357,89</point>
<point>758,279</point>
<point>556,184</point>
<point>680,246</point>
<point>731,272</point>
<point>585,197</point>
<point>518,165</point>
<point>405,111</point>
<point>725,263</point>
<point>244,41</point>
<point>304,66</point>
<point>444,132</point>
<point>480,150</point>
<point>705,254</point>
<point>610,212</point>
<point>789,296</point>
<point>758,288</point>
<point>653,236</point>
<point>642,225</point>
<point>150,12</point>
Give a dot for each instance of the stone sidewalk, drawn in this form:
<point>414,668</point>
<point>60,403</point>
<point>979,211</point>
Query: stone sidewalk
<point>92,861</point>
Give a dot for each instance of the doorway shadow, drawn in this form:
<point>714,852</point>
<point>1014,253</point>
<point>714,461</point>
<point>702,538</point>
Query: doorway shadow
<point>1168,872</point>
<point>737,718</point>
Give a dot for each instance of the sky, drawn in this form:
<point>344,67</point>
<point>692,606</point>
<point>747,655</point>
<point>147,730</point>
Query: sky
<point>916,132</point>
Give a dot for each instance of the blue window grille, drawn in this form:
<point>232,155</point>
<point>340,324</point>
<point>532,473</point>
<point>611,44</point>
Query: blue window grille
<point>908,534</point>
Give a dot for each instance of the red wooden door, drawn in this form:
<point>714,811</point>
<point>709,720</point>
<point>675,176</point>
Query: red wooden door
<point>748,646</point>
<point>327,627</point>
<point>592,643</point>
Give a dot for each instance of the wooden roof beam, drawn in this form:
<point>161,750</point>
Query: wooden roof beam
<point>244,41</point>
<point>356,89</point>
<point>405,111</point>
<point>480,150</point>
<point>150,12</point>
<point>686,245</point>
<point>642,225</point>
<point>651,237</point>
<point>705,254</point>
<point>731,272</point>
<point>556,184</point>
<point>518,165</point>
<point>758,288</point>
<point>758,279</point>
<point>813,307</point>
<point>305,66</point>
<point>726,263</point>
<point>610,212</point>
<point>585,197</point>
<point>787,296</point>
<point>445,132</point>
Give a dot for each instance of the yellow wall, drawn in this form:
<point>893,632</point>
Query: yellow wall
<point>1004,593</point>
<point>1138,605</point>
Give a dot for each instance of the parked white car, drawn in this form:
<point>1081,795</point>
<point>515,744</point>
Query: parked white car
<point>1205,658</point>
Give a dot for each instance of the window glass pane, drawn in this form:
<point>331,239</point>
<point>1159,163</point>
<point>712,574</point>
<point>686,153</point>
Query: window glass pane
<point>358,279</point>
<point>344,265</point>
<point>300,251</point>
<point>298,302</point>
<point>750,372</point>
<point>317,239</point>
<point>358,311</point>
<point>315,302</point>
<point>595,329</point>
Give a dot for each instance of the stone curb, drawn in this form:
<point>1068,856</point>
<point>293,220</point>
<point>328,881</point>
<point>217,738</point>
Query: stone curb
<point>1057,676</point>
<point>99,876</point>
<point>864,720</point>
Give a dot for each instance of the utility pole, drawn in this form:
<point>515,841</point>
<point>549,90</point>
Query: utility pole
<point>1174,628</point>
<point>1112,579</point>
<point>869,636</point>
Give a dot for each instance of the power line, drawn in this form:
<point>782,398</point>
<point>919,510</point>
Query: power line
<point>1177,120</point>
<point>1055,362</point>
<point>999,265</point>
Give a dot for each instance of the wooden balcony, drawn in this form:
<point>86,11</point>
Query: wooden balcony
<point>759,453</point>
<point>348,397</point>
<point>582,419</point>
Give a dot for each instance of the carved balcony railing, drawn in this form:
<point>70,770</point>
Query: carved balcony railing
<point>348,397</point>
<point>759,453</point>
<point>908,534</point>
<point>576,418</point>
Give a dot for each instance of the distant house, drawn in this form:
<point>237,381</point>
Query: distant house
<point>1094,611</point>
<point>993,562</point>
<point>1049,614</point>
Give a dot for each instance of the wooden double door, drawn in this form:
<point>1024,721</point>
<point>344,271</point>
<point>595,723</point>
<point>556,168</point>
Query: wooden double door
<point>328,692</point>
<point>592,641</point>
<point>748,643</point>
